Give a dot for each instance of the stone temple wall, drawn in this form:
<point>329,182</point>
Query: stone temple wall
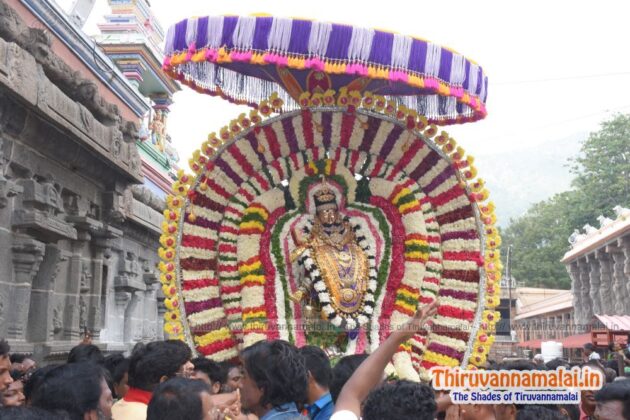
<point>599,266</point>
<point>78,235</point>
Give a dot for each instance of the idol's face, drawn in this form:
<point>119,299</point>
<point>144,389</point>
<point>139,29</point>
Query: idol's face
<point>328,216</point>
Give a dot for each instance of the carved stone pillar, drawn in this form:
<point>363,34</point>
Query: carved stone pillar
<point>106,245</point>
<point>129,280</point>
<point>161,310</point>
<point>605,289</point>
<point>133,319</point>
<point>79,279</point>
<point>576,287</point>
<point>40,319</point>
<point>122,301</point>
<point>620,293</point>
<point>91,275</point>
<point>586,309</point>
<point>27,257</point>
<point>595,283</point>
<point>150,318</point>
<point>624,244</point>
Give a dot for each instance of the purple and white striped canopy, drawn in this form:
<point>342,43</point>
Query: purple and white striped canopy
<point>245,59</point>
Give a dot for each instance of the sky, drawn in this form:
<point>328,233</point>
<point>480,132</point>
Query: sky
<point>555,67</point>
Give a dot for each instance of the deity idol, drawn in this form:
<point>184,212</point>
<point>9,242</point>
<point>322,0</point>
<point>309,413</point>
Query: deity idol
<point>336,280</point>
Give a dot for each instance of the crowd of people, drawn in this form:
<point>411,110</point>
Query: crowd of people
<point>273,380</point>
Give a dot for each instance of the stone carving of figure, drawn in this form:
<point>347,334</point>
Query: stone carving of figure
<point>336,267</point>
<point>621,212</point>
<point>116,146</point>
<point>52,198</point>
<point>86,277</point>
<point>158,130</point>
<point>590,230</point>
<point>170,151</point>
<point>604,221</point>
<point>82,314</point>
<point>57,323</point>
<point>144,132</point>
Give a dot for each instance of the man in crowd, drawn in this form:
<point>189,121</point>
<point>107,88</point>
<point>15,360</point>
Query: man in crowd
<point>118,367</point>
<point>274,380</point>
<point>181,398</point>
<point>209,372</point>
<point>342,371</point>
<point>31,413</point>
<point>86,353</point>
<point>233,377</point>
<point>76,388</point>
<point>320,404</point>
<point>22,363</point>
<point>149,366</point>
<point>14,395</point>
<point>590,353</point>
<point>613,401</point>
<point>5,366</point>
<point>588,404</point>
<point>319,401</point>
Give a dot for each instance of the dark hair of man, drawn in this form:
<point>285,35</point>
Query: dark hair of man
<point>279,370</point>
<point>31,413</point>
<point>117,365</point>
<point>523,365</point>
<point>226,367</point>
<point>16,375</point>
<point>589,346</point>
<point>400,400</point>
<point>86,353</point>
<point>318,364</point>
<point>538,412</point>
<point>74,388</point>
<point>210,368</point>
<point>572,410</point>
<point>556,363</point>
<point>18,357</point>
<point>342,371</point>
<point>177,398</point>
<point>616,391</point>
<point>4,348</point>
<point>595,364</point>
<point>148,364</point>
<point>36,379</point>
<point>520,365</point>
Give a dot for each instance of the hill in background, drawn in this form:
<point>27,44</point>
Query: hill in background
<point>516,180</point>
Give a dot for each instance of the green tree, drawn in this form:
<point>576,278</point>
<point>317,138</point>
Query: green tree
<point>602,169</point>
<point>602,181</point>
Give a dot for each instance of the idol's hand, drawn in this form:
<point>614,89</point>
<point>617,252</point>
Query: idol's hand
<point>298,296</point>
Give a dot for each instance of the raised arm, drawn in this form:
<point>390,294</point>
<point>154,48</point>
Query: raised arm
<point>370,372</point>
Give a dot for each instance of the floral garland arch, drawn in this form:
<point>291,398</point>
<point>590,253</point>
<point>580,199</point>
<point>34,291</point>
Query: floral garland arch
<point>422,214</point>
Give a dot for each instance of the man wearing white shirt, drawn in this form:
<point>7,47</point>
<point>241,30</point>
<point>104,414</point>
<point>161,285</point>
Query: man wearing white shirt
<point>590,353</point>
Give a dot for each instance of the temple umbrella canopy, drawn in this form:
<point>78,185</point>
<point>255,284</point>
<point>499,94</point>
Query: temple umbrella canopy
<point>244,59</point>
